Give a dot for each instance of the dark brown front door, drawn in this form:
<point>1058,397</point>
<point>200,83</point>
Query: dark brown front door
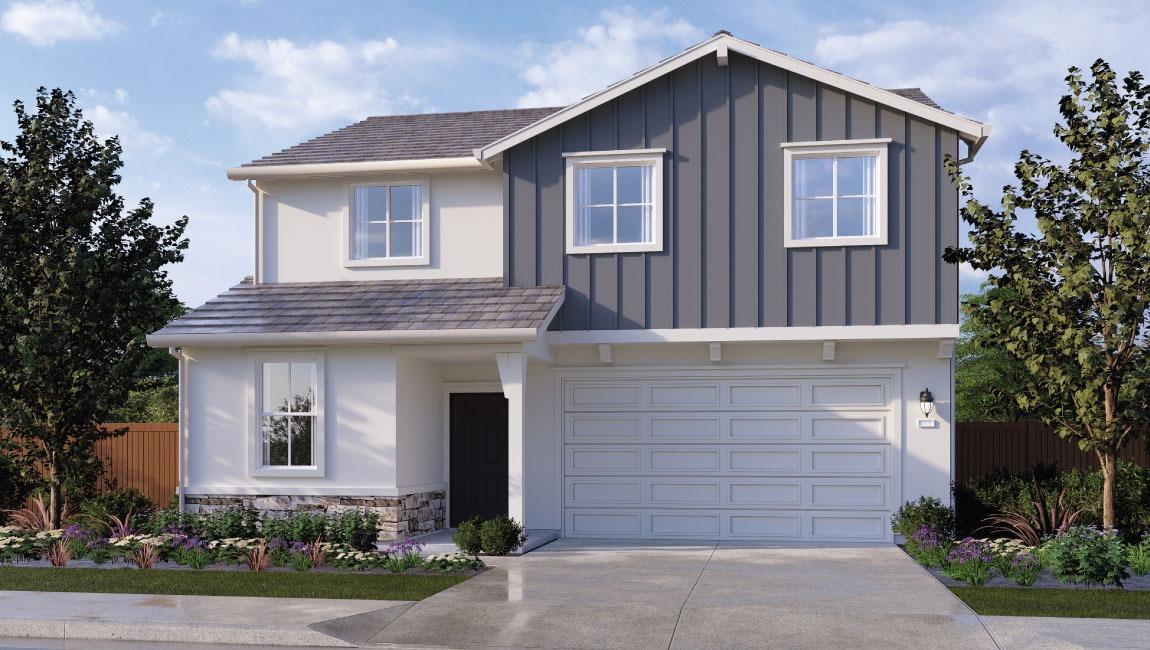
<point>478,456</point>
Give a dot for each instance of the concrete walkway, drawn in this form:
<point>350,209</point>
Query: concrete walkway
<point>580,594</point>
<point>1058,633</point>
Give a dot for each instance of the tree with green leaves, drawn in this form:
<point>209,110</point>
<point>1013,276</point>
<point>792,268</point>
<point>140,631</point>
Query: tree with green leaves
<point>1075,294</point>
<point>82,281</point>
<point>986,375</point>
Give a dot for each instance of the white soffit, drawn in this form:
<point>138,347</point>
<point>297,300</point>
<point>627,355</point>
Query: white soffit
<point>970,130</point>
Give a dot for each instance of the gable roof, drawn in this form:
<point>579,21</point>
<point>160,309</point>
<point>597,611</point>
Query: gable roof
<point>720,45</point>
<point>407,137</point>
<point>359,310</point>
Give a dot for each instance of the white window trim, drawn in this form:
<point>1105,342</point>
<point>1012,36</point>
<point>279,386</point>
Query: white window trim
<point>795,150</point>
<point>424,183</point>
<point>254,429</point>
<point>608,159</point>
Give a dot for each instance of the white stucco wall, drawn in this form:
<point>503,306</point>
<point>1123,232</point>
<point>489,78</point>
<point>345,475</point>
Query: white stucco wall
<point>419,398</point>
<point>360,430</point>
<point>305,226</point>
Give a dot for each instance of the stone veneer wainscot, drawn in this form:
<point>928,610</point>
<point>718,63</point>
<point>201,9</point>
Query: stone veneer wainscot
<point>399,517</point>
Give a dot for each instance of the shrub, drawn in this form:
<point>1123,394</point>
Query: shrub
<point>128,505</point>
<point>467,536</point>
<point>1138,555</point>
<point>1086,554</point>
<point>1046,518</point>
<point>59,553</point>
<point>926,511</point>
<point>404,555</point>
<point>303,527</point>
<point>501,535</point>
<point>145,556</point>
<point>1002,492</point>
<point>228,523</point>
<point>927,546</point>
<point>970,561</point>
<point>356,528</point>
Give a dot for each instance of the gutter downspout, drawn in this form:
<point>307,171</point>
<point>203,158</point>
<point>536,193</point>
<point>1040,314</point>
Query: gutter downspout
<point>972,150</point>
<point>257,274</point>
<point>182,425</point>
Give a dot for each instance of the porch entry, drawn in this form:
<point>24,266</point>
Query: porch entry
<point>478,430</point>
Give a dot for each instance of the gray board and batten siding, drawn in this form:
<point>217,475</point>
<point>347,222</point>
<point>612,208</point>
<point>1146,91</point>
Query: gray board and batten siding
<point>723,263</point>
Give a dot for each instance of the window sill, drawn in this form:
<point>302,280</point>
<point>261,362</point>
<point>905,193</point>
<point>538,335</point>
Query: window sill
<point>387,261</point>
<point>651,247</point>
<point>819,242</point>
<point>280,472</point>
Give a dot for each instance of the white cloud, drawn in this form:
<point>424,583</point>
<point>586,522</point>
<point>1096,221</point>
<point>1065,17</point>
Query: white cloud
<point>134,138</point>
<point>45,23</point>
<point>623,42</point>
<point>296,85</point>
<point>971,275</point>
<point>1005,64</point>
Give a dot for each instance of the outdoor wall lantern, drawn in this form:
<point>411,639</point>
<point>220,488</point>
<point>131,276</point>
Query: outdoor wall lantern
<point>926,402</point>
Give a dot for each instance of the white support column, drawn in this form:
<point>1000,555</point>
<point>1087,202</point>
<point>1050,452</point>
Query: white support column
<point>513,376</point>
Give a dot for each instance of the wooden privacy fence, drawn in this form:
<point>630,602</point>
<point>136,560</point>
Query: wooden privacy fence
<point>145,458</point>
<point>980,448</point>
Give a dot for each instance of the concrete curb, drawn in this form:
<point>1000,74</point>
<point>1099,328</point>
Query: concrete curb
<point>168,633</point>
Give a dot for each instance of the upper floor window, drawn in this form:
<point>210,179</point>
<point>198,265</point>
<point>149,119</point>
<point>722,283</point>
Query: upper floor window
<point>388,224</point>
<point>615,201</point>
<point>288,416</point>
<point>835,193</point>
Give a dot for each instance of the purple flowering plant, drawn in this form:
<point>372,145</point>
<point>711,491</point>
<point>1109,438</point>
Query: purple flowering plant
<point>928,546</point>
<point>1024,568</point>
<point>970,560</point>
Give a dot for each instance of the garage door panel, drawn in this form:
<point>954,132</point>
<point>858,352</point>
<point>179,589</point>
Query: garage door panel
<point>764,461</point>
<point>685,461</point>
<point>587,427</point>
<point>847,460</point>
<point>848,393</point>
<point>685,428</point>
<point>859,526</point>
<point>848,428</point>
<point>603,523</point>
<point>689,395</point>
<point>764,395</point>
<point>842,493</point>
<point>683,493</point>
<point>604,492</point>
<point>747,428</point>
<point>611,460</point>
<point>762,494</point>
<point>770,526</point>
<point>603,396</point>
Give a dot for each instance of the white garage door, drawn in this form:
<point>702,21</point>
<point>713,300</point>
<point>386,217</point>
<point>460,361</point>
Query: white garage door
<point>773,454</point>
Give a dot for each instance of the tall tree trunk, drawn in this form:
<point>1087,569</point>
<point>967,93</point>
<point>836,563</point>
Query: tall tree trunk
<point>54,492</point>
<point>1108,460</point>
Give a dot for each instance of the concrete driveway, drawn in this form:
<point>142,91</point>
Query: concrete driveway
<point>610,594</point>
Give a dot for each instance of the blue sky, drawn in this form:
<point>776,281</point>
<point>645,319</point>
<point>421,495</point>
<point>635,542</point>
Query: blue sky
<point>193,88</point>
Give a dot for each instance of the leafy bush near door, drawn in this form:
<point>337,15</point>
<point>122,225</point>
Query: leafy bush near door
<point>1086,554</point>
<point>499,535</point>
<point>467,536</point>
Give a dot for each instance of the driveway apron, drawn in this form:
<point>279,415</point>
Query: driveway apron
<point>620,594</point>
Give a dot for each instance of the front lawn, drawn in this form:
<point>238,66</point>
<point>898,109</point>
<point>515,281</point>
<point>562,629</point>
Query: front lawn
<point>227,583</point>
<point>1072,603</point>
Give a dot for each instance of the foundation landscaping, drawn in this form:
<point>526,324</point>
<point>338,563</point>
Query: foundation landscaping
<point>232,552</point>
<point>1045,561</point>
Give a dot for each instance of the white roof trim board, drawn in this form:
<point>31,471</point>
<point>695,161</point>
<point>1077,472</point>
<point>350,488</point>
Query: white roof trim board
<point>971,131</point>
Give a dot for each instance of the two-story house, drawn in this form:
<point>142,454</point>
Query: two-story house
<point>704,302</point>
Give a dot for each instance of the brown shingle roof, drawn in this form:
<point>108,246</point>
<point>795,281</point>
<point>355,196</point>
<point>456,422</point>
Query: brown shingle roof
<point>369,306</point>
<point>408,137</point>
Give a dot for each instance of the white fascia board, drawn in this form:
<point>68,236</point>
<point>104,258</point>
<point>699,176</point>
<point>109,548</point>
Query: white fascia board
<point>244,490</point>
<point>970,130</point>
<point>821,333</point>
<point>271,172</point>
<point>387,337</point>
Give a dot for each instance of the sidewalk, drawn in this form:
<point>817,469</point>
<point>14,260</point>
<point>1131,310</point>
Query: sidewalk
<point>193,619</point>
<point>1049,632</point>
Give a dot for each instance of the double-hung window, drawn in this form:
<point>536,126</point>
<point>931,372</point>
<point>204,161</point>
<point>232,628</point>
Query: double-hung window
<point>288,416</point>
<point>388,224</point>
<point>614,201</point>
<point>834,193</point>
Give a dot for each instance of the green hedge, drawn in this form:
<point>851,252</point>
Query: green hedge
<point>976,499</point>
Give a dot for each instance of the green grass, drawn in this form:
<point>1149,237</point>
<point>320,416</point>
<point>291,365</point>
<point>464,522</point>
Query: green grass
<point>1073,603</point>
<point>368,586</point>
